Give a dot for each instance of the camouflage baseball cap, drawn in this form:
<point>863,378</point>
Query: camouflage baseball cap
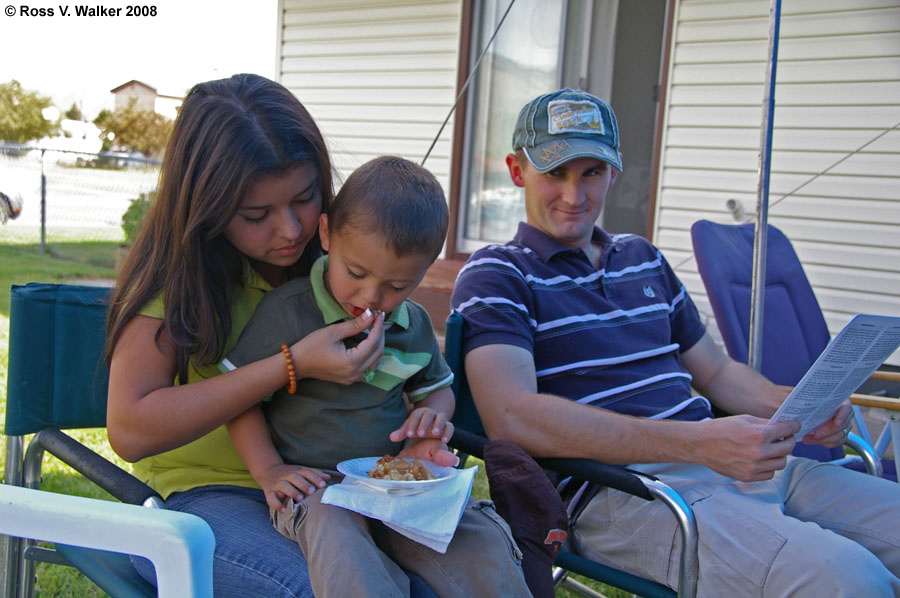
<point>567,124</point>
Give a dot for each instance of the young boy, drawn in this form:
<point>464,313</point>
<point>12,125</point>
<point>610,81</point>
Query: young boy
<point>384,229</point>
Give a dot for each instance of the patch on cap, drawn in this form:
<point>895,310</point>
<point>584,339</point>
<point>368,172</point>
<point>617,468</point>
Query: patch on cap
<point>567,116</point>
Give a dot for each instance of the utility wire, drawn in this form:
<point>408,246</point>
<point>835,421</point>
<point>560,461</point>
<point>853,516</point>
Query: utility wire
<point>810,180</point>
<point>851,154</point>
<point>468,80</point>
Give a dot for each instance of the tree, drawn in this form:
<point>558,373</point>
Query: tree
<point>132,129</point>
<point>21,117</point>
<point>73,113</point>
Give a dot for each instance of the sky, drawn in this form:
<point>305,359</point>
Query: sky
<point>81,58</point>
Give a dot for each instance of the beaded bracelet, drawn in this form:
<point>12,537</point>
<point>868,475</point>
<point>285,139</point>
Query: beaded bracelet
<point>292,373</point>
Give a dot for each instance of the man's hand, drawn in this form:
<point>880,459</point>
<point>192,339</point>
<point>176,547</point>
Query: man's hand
<point>745,447</point>
<point>282,481</point>
<point>834,431</point>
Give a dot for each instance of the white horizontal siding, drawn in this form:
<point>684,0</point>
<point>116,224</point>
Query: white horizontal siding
<point>379,77</point>
<point>867,45</point>
<point>840,117</point>
<point>870,93</point>
<point>835,171</point>
<point>786,139</point>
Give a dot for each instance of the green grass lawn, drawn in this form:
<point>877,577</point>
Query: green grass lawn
<point>68,260</point>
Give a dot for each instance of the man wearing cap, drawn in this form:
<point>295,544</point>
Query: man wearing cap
<point>579,343</point>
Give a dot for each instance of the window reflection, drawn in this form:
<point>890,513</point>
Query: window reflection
<point>522,63</point>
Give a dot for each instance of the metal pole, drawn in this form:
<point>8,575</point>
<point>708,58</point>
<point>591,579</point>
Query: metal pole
<point>760,239</point>
<point>43,206</point>
<point>11,547</point>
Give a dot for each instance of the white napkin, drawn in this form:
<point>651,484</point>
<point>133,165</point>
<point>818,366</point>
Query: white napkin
<point>429,518</point>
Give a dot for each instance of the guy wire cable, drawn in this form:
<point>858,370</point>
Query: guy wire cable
<point>466,84</point>
<point>844,158</point>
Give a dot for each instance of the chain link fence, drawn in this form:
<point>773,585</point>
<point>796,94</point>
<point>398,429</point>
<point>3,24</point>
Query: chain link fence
<point>71,196</point>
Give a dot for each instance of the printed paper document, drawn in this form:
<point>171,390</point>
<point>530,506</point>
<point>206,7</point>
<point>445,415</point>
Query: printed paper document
<point>849,359</point>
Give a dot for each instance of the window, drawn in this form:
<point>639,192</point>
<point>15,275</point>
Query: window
<point>610,48</point>
<point>523,62</point>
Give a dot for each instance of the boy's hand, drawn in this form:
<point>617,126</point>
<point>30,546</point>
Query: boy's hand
<point>426,433</point>
<point>282,481</point>
<point>424,422</point>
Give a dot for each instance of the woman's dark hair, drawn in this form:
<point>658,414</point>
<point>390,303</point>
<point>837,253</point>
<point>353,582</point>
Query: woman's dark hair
<point>228,134</point>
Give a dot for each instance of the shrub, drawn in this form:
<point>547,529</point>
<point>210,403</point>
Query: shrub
<point>133,217</point>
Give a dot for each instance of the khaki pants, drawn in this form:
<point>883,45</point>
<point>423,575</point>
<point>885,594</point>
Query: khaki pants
<point>815,530</point>
<point>352,555</point>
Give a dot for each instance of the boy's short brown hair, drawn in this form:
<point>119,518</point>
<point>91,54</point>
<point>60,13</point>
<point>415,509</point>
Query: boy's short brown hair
<point>397,199</point>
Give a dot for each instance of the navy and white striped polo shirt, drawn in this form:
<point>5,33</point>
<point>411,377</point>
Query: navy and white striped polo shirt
<point>609,338</point>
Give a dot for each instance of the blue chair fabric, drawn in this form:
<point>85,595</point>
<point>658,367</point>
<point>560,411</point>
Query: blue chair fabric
<point>794,331</point>
<point>57,380</point>
<point>56,339</point>
<point>111,571</point>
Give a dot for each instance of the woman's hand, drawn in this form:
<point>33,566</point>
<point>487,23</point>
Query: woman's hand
<point>283,481</point>
<point>322,354</point>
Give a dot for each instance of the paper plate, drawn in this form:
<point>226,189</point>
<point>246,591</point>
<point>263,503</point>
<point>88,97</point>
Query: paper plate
<point>358,470</point>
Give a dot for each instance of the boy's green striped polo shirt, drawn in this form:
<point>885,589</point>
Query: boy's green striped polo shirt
<point>325,422</point>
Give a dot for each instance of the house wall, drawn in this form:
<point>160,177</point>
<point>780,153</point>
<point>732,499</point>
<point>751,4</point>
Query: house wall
<point>837,89</point>
<point>378,76</point>
<point>144,98</point>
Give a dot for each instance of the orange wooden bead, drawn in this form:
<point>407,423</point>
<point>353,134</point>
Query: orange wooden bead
<point>292,372</point>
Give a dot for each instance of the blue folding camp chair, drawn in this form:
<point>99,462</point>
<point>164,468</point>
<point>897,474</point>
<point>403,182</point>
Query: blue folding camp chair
<point>469,438</point>
<point>794,329</point>
<point>57,379</point>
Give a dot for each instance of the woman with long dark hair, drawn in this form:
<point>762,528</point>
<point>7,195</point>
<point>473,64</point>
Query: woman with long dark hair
<point>244,179</point>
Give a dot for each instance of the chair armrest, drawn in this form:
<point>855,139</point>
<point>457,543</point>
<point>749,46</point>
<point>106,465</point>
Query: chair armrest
<point>885,375</point>
<point>618,477</point>
<point>588,470</point>
<point>865,400</point>
<point>468,443</point>
<point>867,453</point>
<point>118,482</point>
<point>179,545</point>
<point>888,403</point>
<point>614,476</point>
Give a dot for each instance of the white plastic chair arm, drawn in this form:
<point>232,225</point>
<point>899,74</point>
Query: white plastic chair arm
<point>179,545</point>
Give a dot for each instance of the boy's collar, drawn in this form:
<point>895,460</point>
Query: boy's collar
<point>331,311</point>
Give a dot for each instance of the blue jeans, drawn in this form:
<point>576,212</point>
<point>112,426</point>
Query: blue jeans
<point>251,557</point>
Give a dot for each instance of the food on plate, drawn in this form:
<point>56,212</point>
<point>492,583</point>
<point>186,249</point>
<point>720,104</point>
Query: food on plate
<point>399,469</point>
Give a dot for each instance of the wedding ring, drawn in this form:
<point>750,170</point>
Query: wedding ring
<point>368,374</point>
